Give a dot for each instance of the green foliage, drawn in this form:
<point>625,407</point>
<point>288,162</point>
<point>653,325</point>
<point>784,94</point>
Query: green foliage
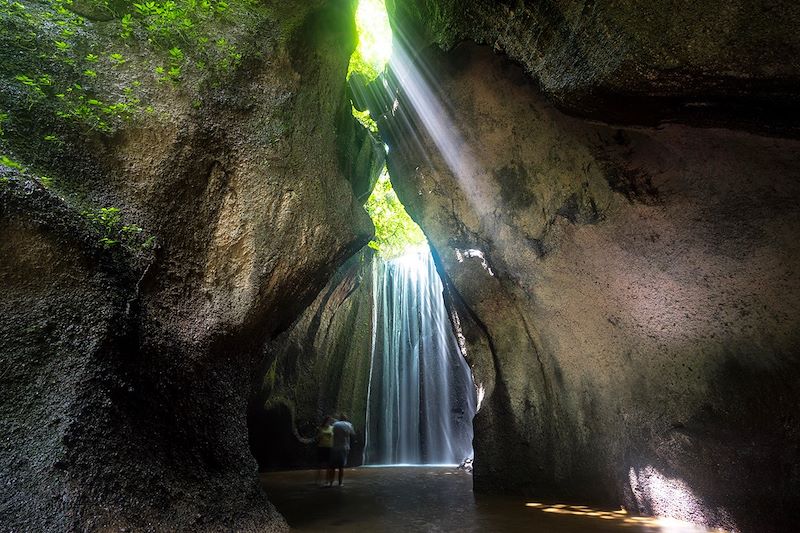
<point>48,79</point>
<point>10,163</point>
<point>75,76</point>
<point>395,231</point>
<point>179,26</point>
<point>358,64</point>
<point>35,86</point>
<point>3,118</point>
<point>76,104</point>
<point>374,39</point>
<point>366,120</point>
<point>176,54</point>
<point>126,23</point>
<point>108,223</point>
<point>6,161</point>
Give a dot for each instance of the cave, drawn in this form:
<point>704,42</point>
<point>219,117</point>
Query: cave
<point>542,255</point>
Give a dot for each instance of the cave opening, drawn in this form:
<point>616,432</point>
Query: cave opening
<point>420,396</point>
<point>380,327</point>
<point>371,56</point>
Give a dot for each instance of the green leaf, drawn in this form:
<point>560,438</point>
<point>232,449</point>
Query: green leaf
<point>176,54</point>
<point>25,79</point>
<point>8,162</point>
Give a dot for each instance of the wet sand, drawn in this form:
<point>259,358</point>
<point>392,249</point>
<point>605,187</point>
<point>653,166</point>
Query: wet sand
<point>433,499</point>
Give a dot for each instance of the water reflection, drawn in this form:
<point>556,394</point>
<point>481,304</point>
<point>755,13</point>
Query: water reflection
<point>623,518</point>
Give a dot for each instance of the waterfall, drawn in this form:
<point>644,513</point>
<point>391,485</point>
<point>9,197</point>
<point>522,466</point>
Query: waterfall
<point>421,398</point>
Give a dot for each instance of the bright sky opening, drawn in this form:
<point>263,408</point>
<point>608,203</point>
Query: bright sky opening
<point>374,38</point>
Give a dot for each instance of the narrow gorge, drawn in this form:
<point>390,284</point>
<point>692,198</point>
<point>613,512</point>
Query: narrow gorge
<point>554,242</point>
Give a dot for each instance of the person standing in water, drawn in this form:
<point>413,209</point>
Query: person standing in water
<point>342,432</point>
<point>324,444</point>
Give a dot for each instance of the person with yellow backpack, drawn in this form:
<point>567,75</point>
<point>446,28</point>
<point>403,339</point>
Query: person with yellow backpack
<point>324,443</point>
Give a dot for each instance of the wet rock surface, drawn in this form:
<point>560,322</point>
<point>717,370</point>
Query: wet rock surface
<point>320,366</point>
<point>627,295</point>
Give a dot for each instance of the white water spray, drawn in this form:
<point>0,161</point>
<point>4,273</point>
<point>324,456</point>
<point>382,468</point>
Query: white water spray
<point>421,396</point>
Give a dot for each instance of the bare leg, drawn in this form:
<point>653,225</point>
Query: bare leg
<point>341,473</point>
<point>331,473</point>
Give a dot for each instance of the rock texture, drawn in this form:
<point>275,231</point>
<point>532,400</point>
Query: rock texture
<point>128,367</point>
<point>628,296</point>
<point>718,62</point>
<point>319,367</point>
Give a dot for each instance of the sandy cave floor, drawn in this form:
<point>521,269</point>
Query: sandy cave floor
<point>433,499</point>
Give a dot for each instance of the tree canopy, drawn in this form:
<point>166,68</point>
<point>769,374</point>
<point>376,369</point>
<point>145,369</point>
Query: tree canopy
<point>374,39</point>
<point>395,232</point>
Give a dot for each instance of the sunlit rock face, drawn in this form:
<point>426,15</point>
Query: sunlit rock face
<point>629,300</point>
<point>717,62</point>
<point>127,373</point>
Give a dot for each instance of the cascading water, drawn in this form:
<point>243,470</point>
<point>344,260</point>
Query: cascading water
<point>421,396</point>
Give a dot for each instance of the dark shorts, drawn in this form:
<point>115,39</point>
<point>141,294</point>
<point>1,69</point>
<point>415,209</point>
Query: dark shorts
<point>323,456</point>
<point>339,457</point>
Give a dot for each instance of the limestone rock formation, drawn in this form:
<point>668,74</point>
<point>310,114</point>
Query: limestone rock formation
<point>628,295</point>
<point>173,194</point>
<point>611,191</point>
<point>719,62</point>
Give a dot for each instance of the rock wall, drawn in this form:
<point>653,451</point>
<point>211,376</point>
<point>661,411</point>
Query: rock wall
<point>319,367</point>
<point>131,336</point>
<point>716,63</point>
<point>627,294</point>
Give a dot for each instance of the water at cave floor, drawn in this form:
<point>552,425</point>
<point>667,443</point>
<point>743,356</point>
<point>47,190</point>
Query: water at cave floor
<point>438,499</point>
<point>421,397</point>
